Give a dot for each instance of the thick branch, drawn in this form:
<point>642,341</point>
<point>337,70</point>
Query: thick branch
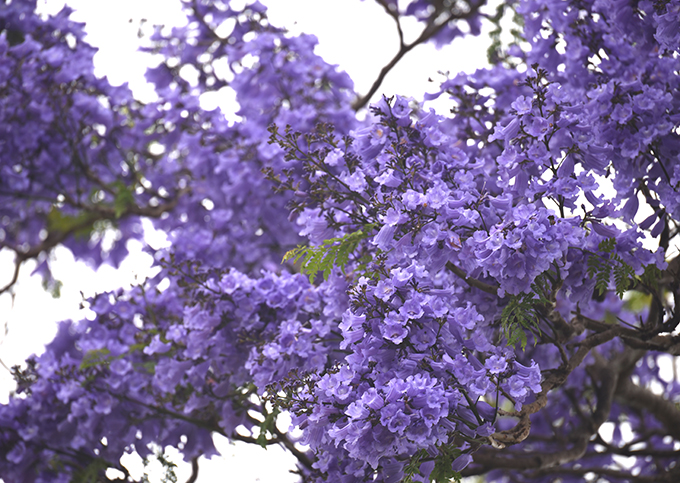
<point>472,282</point>
<point>619,474</point>
<point>555,379</point>
<point>607,374</point>
<point>95,213</point>
<point>487,460</point>
<point>662,409</point>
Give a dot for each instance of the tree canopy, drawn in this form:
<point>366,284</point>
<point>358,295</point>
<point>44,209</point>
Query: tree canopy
<point>488,292</point>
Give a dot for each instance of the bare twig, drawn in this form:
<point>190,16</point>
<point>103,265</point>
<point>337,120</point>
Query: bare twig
<point>433,27</point>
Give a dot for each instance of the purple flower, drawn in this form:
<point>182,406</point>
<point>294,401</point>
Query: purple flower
<point>157,346</point>
<point>355,181</point>
<point>121,366</point>
<point>622,113</point>
<point>460,463</point>
<point>393,332</point>
<point>356,410</point>
<point>384,290</point>
<point>401,108</point>
<point>522,105</point>
<point>401,276</point>
<point>538,127</point>
<point>508,132</point>
<point>458,156</point>
<point>372,399</point>
<point>412,199</point>
<point>334,157</point>
<point>383,238</point>
<point>398,422</point>
<point>16,454</point>
<point>413,308</point>
<point>431,234</point>
<point>496,364</point>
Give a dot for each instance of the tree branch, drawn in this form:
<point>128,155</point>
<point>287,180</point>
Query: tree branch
<point>661,408</point>
<point>431,29</point>
<point>301,456</point>
<point>607,374</point>
<point>95,213</point>
<point>671,477</point>
<point>194,471</point>
<point>472,282</point>
<point>555,379</point>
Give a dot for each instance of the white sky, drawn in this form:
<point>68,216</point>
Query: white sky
<point>356,35</point>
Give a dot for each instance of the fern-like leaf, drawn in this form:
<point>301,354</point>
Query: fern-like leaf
<point>334,252</point>
<point>623,276</point>
<point>521,315</point>
<point>601,267</point>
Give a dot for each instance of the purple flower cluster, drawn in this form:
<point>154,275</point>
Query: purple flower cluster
<point>61,167</point>
<point>422,358</point>
<point>441,238</point>
<point>142,374</point>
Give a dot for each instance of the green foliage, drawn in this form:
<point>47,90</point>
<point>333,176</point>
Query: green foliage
<point>53,287</point>
<point>601,268</point>
<point>333,252</point>
<point>91,473</point>
<point>413,466</point>
<point>123,199</point>
<point>169,475</point>
<point>103,357</point>
<point>442,472</point>
<point>638,301</point>
<point>521,314</point>
<point>95,357</point>
<point>651,276</point>
<point>55,464</point>
<point>496,52</point>
<point>267,426</point>
<point>81,225</point>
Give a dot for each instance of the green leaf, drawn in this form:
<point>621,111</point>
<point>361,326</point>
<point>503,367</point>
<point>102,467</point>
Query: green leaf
<point>623,276</point>
<point>637,301</point>
<point>123,199</point>
<point>91,473</point>
<point>334,252</point>
<point>81,225</point>
<point>52,286</point>
<point>169,475</point>
<point>651,276</point>
<point>442,472</point>
<point>607,245</point>
<point>413,466</point>
<point>521,314</point>
<point>601,267</point>
<point>95,357</point>
<point>267,426</point>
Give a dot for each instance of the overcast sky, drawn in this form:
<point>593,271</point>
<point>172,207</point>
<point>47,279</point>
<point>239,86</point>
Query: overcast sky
<point>355,35</point>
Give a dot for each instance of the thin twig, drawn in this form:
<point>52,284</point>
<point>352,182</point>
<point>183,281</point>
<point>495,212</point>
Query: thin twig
<point>431,29</point>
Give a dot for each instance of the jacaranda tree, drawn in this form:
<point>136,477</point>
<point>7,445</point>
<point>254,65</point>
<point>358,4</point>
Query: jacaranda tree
<point>491,292</point>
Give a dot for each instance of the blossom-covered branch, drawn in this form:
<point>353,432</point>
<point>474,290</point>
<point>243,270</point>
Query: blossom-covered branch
<point>459,294</point>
